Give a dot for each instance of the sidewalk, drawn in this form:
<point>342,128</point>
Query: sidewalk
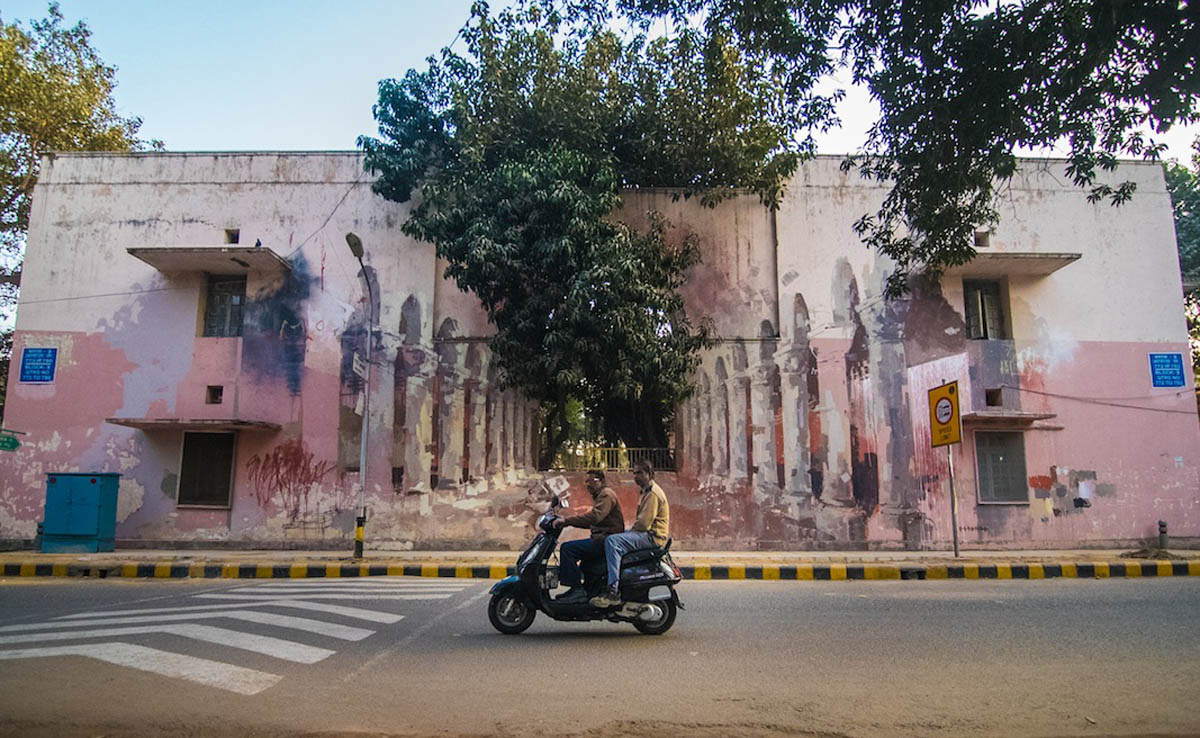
<point>785,565</point>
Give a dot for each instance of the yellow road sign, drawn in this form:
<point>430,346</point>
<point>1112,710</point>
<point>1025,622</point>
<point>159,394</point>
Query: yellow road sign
<point>944,425</point>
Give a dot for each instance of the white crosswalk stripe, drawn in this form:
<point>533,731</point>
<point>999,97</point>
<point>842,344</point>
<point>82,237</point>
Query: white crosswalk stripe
<point>330,596</point>
<point>333,630</point>
<point>359,613</point>
<point>204,671</point>
<point>251,603</point>
<point>276,647</point>
<point>387,583</point>
<point>375,592</point>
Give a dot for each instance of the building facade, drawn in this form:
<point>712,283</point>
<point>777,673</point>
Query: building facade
<point>197,323</point>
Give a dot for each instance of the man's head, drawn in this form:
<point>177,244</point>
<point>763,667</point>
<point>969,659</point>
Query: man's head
<point>643,472</point>
<point>595,481</point>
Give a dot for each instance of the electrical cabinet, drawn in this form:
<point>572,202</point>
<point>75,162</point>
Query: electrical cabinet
<point>80,513</point>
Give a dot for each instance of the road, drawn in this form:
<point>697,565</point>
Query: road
<point>412,656</point>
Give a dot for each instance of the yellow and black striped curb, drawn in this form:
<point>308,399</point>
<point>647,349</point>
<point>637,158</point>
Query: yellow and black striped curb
<point>797,572</point>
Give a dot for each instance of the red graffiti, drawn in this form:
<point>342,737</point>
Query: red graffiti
<point>1041,482</point>
<point>285,475</point>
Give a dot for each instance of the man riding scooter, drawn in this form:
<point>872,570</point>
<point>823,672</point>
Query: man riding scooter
<point>604,519</point>
<point>650,530</point>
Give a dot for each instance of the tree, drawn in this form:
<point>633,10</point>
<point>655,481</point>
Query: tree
<point>519,150</point>
<point>55,95</point>
<point>962,85</point>
<point>1184,185</point>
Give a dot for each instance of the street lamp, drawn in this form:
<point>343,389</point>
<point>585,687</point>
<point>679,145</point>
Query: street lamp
<point>355,244</point>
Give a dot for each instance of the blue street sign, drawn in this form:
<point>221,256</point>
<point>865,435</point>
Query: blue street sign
<point>38,364</point>
<point>1166,370</point>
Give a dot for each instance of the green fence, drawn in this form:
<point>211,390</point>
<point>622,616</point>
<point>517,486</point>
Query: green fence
<point>608,458</point>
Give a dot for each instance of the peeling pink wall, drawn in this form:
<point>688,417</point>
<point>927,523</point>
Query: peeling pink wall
<point>809,428</point>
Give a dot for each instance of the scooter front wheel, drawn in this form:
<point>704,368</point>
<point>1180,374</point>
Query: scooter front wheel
<point>659,625</point>
<point>510,613</point>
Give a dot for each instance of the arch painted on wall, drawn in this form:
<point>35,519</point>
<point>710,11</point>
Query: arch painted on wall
<point>410,321</point>
<point>845,292</point>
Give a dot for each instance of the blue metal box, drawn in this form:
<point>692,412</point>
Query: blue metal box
<point>81,512</point>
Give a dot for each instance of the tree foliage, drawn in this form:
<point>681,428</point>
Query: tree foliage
<point>519,149</point>
<point>55,95</point>
<point>1184,185</point>
<point>963,84</point>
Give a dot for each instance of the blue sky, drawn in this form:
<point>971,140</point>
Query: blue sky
<point>256,74</point>
<point>222,75</point>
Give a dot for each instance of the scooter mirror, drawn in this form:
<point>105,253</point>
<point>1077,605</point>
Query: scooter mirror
<point>555,502</point>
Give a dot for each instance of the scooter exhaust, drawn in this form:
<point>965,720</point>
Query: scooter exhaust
<point>644,612</point>
<point>650,612</point>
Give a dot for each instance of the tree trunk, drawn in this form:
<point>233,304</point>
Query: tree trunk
<point>557,429</point>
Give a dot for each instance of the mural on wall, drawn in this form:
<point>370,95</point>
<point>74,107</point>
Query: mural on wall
<point>796,443</point>
<point>808,427</point>
<point>1067,491</point>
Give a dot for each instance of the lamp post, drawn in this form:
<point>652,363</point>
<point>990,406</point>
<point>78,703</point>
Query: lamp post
<point>355,244</point>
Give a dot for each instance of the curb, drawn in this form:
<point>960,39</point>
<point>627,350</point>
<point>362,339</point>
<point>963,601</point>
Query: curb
<point>798,572</point>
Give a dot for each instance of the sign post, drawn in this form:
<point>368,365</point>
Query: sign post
<point>945,429</point>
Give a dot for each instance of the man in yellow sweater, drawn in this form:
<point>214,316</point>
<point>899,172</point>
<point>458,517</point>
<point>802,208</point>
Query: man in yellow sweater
<point>651,529</point>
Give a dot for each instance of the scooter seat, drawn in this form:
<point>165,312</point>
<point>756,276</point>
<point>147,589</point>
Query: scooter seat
<point>645,554</point>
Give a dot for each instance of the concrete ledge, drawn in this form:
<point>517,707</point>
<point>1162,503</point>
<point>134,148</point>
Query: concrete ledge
<point>727,571</point>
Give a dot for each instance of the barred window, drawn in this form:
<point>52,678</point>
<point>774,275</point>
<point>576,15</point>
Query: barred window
<point>1001,460</point>
<point>224,300</point>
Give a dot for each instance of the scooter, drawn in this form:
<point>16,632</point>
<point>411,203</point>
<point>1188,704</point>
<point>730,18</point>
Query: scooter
<point>647,586</point>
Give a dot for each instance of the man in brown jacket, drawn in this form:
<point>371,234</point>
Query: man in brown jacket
<point>604,519</point>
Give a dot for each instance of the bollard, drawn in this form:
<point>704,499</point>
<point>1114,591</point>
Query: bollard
<point>359,522</point>
<point>1162,535</point>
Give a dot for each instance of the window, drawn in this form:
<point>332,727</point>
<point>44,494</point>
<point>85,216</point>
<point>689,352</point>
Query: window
<point>213,394</point>
<point>1001,464</point>
<point>984,310</point>
<point>994,397</point>
<point>224,300</point>
<point>204,476</point>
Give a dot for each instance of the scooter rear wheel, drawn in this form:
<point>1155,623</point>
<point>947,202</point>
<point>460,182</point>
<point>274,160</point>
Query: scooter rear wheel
<point>659,625</point>
<point>510,614</point>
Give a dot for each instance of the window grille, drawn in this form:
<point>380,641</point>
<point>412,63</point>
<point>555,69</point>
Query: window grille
<point>1001,464</point>
<point>224,301</point>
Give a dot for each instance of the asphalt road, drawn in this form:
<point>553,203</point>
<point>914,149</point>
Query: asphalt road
<point>411,656</point>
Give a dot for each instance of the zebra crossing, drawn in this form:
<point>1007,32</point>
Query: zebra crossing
<point>109,635</point>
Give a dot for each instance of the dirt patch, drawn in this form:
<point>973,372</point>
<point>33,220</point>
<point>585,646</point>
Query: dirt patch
<point>1156,553</point>
<point>616,729</point>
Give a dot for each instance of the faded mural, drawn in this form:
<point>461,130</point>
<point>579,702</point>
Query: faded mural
<point>808,428</point>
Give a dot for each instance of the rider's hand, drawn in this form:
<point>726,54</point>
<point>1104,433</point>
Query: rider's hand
<point>559,522</point>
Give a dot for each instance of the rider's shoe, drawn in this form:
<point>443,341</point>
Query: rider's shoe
<point>608,599</point>
<point>574,594</point>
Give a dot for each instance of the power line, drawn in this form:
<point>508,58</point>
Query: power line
<point>128,293</point>
<point>329,217</point>
<point>1094,401</point>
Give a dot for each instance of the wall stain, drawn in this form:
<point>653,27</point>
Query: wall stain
<point>170,485</point>
<point>275,336</point>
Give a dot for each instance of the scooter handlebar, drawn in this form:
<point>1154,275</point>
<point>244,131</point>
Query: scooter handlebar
<point>547,522</point>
